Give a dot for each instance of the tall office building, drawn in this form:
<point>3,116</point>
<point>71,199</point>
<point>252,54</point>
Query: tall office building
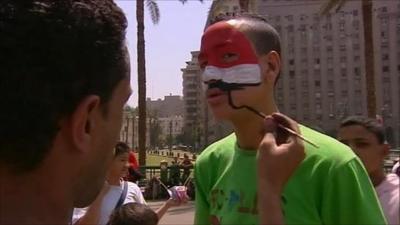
<point>171,105</point>
<point>193,98</point>
<point>323,76</point>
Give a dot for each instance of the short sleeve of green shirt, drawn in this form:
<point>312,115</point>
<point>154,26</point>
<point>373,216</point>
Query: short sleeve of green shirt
<point>349,197</point>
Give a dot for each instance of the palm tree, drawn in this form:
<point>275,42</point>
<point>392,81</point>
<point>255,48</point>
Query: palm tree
<point>141,65</point>
<point>368,48</point>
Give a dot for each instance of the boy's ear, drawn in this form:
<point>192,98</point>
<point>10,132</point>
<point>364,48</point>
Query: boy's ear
<point>271,66</point>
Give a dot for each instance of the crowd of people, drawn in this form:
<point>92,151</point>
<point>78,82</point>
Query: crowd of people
<point>65,78</point>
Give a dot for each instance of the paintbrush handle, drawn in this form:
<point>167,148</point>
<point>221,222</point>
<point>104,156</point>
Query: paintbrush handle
<point>297,135</point>
<point>262,115</point>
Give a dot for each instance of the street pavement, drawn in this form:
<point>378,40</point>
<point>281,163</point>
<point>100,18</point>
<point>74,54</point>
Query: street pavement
<point>182,215</point>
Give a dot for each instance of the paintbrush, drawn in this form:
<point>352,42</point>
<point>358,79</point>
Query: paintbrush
<point>262,115</point>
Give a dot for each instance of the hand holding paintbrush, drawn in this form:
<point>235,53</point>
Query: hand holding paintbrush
<point>279,152</point>
<point>279,155</point>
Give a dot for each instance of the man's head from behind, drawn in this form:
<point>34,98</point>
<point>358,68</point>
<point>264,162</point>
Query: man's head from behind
<point>133,214</point>
<point>244,53</point>
<point>365,136</point>
<point>64,79</point>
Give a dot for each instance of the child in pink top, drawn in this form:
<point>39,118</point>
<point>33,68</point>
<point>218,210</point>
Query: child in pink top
<point>388,193</point>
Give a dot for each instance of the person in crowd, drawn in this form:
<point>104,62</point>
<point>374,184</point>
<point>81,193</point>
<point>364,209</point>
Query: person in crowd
<point>64,80</point>
<point>325,183</point>
<point>174,172</point>
<point>366,137</point>
<point>133,214</point>
<point>118,193</point>
<point>187,166</point>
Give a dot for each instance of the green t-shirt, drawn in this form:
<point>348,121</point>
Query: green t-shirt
<point>330,186</point>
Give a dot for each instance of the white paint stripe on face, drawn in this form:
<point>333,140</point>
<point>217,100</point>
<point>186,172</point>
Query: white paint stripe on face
<point>239,74</point>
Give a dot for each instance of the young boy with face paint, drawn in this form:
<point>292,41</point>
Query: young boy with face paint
<point>241,62</point>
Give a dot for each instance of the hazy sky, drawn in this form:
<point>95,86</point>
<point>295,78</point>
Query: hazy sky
<point>168,44</point>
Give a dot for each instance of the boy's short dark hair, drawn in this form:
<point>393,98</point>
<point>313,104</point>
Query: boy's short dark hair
<point>121,148</point>
<point>264,37</point>
<point>369,124</point>
<point>53,54</point>
<point>133,214</point>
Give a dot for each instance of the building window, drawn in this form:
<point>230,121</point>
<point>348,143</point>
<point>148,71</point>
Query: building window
<point>357,71</point>
<point>356,24</point>
<point>385,69</point>
<point>341,26</point>
<point>290,28</point>
<point>304,84</point>
<point>330,84</point>
<point>330,72</point>
<point>316,50</point>
<point>343,72</point>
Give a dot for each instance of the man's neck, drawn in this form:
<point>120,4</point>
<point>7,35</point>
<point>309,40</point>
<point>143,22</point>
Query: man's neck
<point>31,200</point>
<point>249,130</point>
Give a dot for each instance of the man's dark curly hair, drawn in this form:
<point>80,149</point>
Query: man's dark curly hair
<point>53,53</point>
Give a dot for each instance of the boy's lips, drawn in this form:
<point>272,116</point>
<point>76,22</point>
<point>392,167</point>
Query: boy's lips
<point>214,92</point>
<point>215,96</point>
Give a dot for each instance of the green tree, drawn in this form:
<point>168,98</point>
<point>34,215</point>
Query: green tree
<point>368,47</point>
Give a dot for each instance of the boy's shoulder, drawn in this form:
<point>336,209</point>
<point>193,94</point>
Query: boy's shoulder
<point>329,149</point>
<point>218,149</point>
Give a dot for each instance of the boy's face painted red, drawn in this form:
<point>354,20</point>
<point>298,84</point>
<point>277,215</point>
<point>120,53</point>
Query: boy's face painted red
<point>226,54</point>
<point>222,40</point>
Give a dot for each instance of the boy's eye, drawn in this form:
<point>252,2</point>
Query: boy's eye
<point>230,57</point>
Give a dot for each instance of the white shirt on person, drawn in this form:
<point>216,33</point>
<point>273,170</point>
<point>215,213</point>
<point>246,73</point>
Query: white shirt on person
<point>111,199</point>
<point>388,193</point>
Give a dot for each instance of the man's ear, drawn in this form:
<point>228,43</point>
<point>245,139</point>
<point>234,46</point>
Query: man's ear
<point>272,66</point>
<point>83,121</point>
